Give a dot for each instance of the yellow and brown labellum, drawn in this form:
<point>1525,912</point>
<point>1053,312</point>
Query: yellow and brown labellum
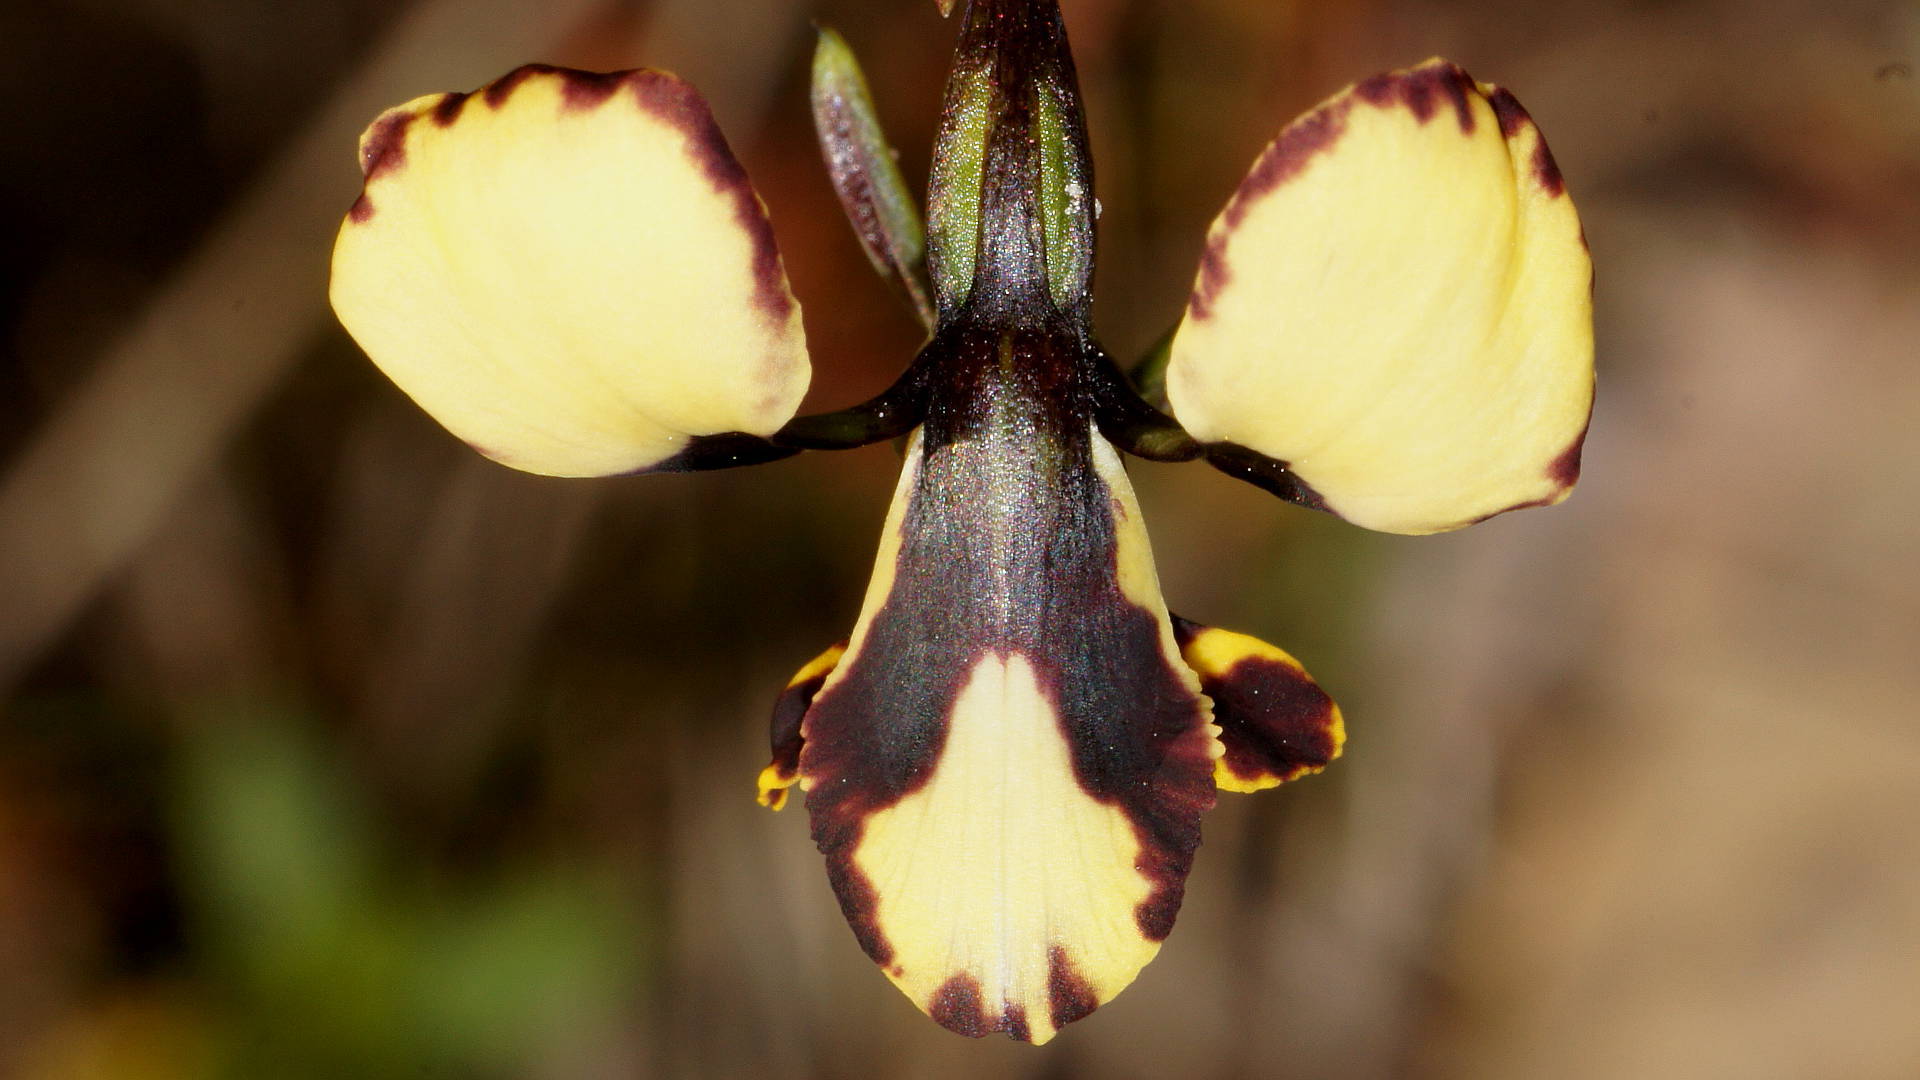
<point>571,272</point>
<point>1396,307</point>
<point>1007,769</point>
<point>784,731</point>
<point>1276,724</point>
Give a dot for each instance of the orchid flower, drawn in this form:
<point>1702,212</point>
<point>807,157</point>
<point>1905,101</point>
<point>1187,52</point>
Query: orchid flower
<point>1007,762</point>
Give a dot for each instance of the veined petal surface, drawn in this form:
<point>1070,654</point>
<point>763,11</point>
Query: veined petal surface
<point>1397,303</point>
<point>570,272</point>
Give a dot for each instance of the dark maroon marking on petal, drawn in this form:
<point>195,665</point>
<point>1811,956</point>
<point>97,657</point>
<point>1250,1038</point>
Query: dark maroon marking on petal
<point>1274,720</point>
<point>1513,118</point>
<point>1421,90</point>
<point>1014,1022</point>
<point>956,1007</point>
<point>1288,155</point>
<point>858,902</point>
<point>1069,997</point>
<point>499,90</point>
<point>1283,159</point>
<point>676,102</point>
<point>788,711</point>
<point>1008,547</point>
<point>448,108</point>
<point>1547,171</point>
<point>1214,276</point>
<point>587,90</point>
<point>383,151</point>
<point>1564,470</point>
<point>385,148</point>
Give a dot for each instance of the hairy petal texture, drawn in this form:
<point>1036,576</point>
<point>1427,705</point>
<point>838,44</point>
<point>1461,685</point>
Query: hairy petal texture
<point>570,272</point>
<point>1397,304</point>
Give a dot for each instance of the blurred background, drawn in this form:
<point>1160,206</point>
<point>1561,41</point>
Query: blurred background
<point>330,749</point>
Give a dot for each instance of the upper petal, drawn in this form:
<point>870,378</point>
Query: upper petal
<point>570,271</point>
<point>1397,304</point>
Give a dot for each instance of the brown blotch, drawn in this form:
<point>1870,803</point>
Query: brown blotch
<point>383,151</point>
<point>1014,1023</point>
<point>860,903</point>
<point>1274,720</point>
<point>448,108</point>
<point>1422,90</point>
<point>1564,470</point>
<point>956,1007</point>
<point>1283,159</point>
<point>1289,155</point>
<point>1069,996</point>
<point>585,90</point>
<point>676,102</point>
<point>1513,116</point>
<point>499,90</point>
<point>385,148</point>
<point>1214,276</point>
<point>1513,119</point>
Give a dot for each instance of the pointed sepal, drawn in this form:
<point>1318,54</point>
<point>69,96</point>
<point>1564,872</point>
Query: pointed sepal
<point>1276,724</point>
<point>866,173</point>
<point>571,272</point>
<point>1394,312</point>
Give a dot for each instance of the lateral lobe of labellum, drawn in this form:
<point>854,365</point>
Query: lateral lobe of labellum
<point>1007,770</point>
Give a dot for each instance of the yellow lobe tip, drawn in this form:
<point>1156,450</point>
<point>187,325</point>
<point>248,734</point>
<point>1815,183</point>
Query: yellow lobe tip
<point>773,788</point>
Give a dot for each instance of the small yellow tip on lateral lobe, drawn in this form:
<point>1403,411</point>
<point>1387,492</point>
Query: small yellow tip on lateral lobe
<point>570,272</point>
<point>773,788</point>
<point>818,667</point>
<point>1397,303</point>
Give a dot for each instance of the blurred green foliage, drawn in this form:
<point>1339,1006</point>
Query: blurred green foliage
<point>327,953</point>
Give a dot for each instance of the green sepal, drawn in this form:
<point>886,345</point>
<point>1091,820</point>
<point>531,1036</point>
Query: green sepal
<point>865,172</point>
<point>1149,376</point>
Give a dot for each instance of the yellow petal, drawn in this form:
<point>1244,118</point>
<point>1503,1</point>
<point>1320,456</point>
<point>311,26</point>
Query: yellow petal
<point>570,272</point>
<point>1007,768</point>
<point>1276,724</point>
<point>1397,304</point>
